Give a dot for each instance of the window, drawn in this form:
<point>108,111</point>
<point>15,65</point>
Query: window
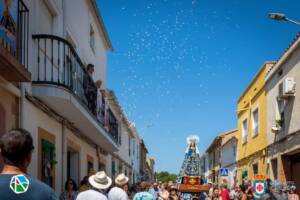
<point>279,116</point>
<point>282,120</point>
<point>120,137</point>
<point>73,164</point>
<point>133,145</point>
<point>137,151</point>
<point>280,72</point>
<point>101,167</point>
<point>90,165</point>
<point>92,38</point>
<point>129,146</point>
<point>46,157</point>
<point>48,162</point>
<point>255,122</point>
<point>244,131</point>
<point>255,168</point>
<point>234,150</point>
<point>113,127</point>
<point>113,168</point>
<point>274,169</point>
<point>120,167</point>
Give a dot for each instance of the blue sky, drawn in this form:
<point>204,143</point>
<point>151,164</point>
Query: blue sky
<point>179,66</point>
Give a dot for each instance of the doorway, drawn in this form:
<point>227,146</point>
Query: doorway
<point>295,169</point>
<point>73,164</point>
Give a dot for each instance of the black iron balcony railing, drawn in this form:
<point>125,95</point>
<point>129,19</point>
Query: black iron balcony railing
<point>14,35</point>
<point>59,64</point>
<point>14,30</point>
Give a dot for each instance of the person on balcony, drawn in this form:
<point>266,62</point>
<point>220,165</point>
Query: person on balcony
<point>90,88</point>
<point>99,106</point>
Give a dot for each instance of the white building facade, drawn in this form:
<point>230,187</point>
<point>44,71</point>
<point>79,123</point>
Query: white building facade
<point>70,141</point>
<point>283,127</point>
<point>229,158</point>
<point>204,161</point>
<point>63,37</point>
<point>135,154</point>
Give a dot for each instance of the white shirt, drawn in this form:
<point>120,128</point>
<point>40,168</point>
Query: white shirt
<point>117,193</point>
<point>91,195</point>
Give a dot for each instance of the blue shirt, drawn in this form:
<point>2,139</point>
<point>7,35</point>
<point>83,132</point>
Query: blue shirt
<point>154,192</point>
<point>20,187</point>
<point>143,196</point>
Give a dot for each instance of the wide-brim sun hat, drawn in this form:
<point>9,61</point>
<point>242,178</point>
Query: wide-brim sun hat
<point>121,179</point>
<point>100,180</point>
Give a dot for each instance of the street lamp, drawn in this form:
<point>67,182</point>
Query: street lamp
<point>282,17</point>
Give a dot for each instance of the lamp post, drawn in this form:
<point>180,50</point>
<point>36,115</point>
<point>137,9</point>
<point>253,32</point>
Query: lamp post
<point>282,17</point>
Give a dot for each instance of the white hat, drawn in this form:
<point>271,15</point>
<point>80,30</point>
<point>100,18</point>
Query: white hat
<point>100,180</point>
<point>121,179</point>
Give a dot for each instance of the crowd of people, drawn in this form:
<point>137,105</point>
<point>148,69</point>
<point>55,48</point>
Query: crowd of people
<point>16,149</point>
<point>245,191</point>
<point>100,186</point>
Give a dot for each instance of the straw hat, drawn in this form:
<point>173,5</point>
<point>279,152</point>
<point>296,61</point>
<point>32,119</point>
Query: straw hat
<point>100,180</point>
<point>121,179</point>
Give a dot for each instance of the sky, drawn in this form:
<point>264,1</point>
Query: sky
<point>179,66</point>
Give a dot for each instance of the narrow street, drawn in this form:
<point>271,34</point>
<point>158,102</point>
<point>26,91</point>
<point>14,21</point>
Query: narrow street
<point>142,100</point>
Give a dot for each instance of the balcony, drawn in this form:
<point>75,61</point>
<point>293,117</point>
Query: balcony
<point>58,81</point>
<point>14,31</point>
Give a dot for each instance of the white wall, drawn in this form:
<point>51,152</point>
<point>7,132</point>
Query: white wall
<point>62,17</point>
<point>227,151</point>
<point>228,160</point>
<point>135,156</point>
<point>291,68</point>
<point>40,119</point>
<point>124,148</point>
<point>79,18</point>
<point>68,18</point>
<point>85,150</point>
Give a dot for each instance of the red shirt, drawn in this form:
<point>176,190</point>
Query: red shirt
<point>225,195</point>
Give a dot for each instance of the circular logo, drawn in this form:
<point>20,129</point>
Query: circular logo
<point>19,184</point>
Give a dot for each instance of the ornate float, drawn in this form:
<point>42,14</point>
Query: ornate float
<point>190,178</point>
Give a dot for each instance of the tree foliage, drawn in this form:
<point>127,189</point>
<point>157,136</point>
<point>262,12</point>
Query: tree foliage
<point>165,176</point>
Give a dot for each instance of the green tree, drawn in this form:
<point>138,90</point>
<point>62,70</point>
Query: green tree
<point>165,176</point>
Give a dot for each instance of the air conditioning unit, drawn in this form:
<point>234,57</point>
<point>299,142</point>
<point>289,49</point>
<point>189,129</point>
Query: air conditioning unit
<point>287,88</point>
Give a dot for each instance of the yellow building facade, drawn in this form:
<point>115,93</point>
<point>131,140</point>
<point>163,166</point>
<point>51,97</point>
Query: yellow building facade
<point>252,128</point>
